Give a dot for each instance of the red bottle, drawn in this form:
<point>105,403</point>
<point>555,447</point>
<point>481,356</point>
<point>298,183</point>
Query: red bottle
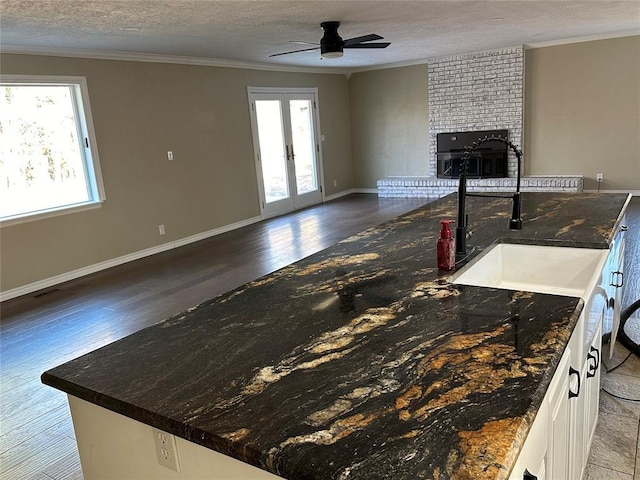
<point>446,247</point>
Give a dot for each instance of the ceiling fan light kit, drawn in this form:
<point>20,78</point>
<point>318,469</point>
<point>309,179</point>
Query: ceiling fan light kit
<point>332,45</point>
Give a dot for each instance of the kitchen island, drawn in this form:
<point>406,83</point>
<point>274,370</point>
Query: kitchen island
<point>362,361</point>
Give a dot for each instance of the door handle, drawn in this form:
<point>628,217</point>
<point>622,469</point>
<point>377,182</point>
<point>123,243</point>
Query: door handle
<point>573,371</point>
<point>293,156</point>
<point>288,154</point>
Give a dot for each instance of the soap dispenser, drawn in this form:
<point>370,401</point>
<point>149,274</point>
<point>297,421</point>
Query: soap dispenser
<point>446,248</point>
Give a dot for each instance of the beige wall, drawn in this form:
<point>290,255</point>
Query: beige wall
<point>389,123</point>
<point>582,112</point>
<point>582,116</point>
<point>140,111</point>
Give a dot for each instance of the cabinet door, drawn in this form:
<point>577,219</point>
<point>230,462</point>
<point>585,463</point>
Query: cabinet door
<point>577,416</point>
<point>615,283</point>
<point>532,457</point>
<point>558,450</point>
<point>592,390</point>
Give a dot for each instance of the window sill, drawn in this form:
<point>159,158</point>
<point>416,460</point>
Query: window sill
<point>54,212</point>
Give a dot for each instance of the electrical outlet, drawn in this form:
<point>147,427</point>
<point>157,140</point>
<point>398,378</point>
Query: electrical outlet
<point>335,183</point>
<point>600,177</point>
<point>166,449</point>
<point>161,229</point>
<point>170,155</point>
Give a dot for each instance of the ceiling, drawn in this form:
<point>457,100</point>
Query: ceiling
<point>244,32</point>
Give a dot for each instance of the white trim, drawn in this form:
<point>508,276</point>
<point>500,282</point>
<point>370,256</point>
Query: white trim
<point>283,90</point>
<point>215,62</point>
<point>406,63</point>
<point>550,43</point>
<point>335,196</point>
<point>634,193</point>
<point>81,272</point>
<point>365,190</point>
<point>344,193</point>
<point>54,212</point>
<point>157,58</point>
<point>586,38</point>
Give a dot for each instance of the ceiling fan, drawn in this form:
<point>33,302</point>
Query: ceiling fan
<point>332,45</point>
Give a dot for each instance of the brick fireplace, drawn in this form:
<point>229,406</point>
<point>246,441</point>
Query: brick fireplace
<point>478,91</point>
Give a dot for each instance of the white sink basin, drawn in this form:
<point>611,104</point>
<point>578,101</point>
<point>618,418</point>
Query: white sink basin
<point>555,270</point>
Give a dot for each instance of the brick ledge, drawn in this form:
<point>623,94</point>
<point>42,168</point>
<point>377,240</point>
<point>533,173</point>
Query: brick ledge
<point>433,187</point>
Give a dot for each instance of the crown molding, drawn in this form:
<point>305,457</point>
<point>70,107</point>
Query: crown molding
<point>407,63</point>
<point>550,43</point>
<point>214,62</point>
<point>157,58</point>
<point>587,38</point>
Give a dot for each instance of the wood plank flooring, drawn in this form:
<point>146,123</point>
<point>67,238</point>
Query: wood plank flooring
<point>45,329</point>
<point>42,330</point>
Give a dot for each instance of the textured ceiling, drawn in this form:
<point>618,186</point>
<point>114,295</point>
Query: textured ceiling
<point>249,31</point>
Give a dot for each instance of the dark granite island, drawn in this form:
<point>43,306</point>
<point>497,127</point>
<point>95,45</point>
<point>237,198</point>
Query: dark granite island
<point>360,362</point>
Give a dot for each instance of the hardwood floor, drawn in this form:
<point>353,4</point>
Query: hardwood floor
<point>42,330</point>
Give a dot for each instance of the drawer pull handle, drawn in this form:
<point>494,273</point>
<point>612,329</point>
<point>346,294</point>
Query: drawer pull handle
<point>618,281</point>
<point>624,228</point>
<point>596,361</point>
<point>573,371</point>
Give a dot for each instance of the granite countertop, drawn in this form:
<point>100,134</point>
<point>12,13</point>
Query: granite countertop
<point>362,361</point>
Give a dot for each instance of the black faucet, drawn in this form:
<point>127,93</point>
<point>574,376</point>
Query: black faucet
<point>515,222</point>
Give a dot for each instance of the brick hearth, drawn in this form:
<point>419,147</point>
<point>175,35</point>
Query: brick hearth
<point>432,187</point>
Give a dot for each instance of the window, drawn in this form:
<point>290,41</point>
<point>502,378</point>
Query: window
<point>48,155</point>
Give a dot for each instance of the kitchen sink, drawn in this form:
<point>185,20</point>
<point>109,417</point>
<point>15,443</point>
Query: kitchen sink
<point>543,269</point>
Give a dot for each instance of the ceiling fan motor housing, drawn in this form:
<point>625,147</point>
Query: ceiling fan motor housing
<point>331,42</point>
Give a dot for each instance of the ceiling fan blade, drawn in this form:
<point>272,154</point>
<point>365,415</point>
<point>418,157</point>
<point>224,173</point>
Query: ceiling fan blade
<point>302,42</point>
<point>364,38</point>
<point>369,45</point>
<point>295,51</point>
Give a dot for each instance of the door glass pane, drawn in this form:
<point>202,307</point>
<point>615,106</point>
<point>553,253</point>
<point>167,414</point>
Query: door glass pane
<point>272,150</point>
<point>303,146</point>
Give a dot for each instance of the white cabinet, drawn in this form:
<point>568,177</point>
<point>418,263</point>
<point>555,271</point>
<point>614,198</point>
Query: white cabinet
<point>558,443</point>
<point>559,420</point>
<point>613,282</point>
<point>592,391</point>
<point>532,458</point>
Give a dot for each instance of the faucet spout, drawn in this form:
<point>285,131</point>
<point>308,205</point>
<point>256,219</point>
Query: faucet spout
<point>461,225</point>
<point>515,222</point>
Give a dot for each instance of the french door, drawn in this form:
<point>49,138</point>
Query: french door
<point>287,150</point>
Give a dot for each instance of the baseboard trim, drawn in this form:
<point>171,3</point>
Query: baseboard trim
<point>634,193</point>
<point>335,196</point>
<point>365,190</point>
<point>81,272</point>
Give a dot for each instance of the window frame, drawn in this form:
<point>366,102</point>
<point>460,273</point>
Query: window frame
<point>84,125</point>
